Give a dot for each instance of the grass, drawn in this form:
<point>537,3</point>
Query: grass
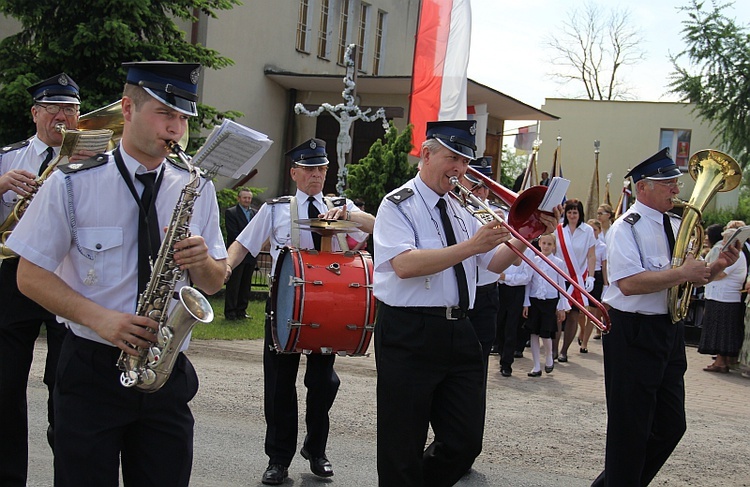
<point>222,329</point>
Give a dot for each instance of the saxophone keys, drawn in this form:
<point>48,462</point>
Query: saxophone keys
<point>129,378</point>
<point>154,355</point>
<point>165,336</point>
<point>148,377</point>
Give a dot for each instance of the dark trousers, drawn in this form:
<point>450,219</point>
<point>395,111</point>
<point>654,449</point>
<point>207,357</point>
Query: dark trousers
<point>644,368</point>
<point>20,323</point>
<point>483,317</point>
<point>100,422</point>
<point>280,401</point>
<point>237,293</point>
<point>429,373</point>
<point>509,322</point>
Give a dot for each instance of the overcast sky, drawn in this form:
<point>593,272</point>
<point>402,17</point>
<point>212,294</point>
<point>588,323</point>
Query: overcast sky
<point>508,52</point>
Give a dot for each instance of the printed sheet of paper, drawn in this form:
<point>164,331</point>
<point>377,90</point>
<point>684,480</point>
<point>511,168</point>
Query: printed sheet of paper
<point>232,150</point>
<point>555,194</point>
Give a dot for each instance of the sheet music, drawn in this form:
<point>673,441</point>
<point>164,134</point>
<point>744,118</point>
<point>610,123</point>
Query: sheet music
<point>90,140</point>
<point>232,149</point>
<point>555,194</point>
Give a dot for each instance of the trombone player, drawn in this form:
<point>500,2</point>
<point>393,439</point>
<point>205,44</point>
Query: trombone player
<point>55,101</point>
<point>644,353</point>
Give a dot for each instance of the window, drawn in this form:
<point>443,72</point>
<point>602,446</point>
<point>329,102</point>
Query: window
<point>324,34</point>
<point>379,42</point>
<point>362,39</point>
<point>678,141</point>
<point>343,31</point>
<point>303,26</point>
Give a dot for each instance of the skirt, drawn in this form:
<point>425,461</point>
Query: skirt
<point>542,318</point>
<point>598,285</point>
<point>723,328</point>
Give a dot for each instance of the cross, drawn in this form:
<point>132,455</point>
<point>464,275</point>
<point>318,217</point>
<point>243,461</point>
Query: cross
<point>345,114</point>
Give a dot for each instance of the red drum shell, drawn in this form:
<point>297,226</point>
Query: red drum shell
<point>322,302</point>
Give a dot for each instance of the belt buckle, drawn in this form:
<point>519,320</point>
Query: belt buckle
<point>449,313</point>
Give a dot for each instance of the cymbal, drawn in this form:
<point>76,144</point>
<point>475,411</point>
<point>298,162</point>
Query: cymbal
<point>328,224</point>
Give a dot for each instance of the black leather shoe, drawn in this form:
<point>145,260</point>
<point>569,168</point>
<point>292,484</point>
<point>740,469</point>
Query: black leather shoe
<point>275,474</point>
<point>517,354</point>
<point>506,372</point>
<point>538,373</point>
<point>320,466</point>
<point>549,369</point>
<point>562,358</point>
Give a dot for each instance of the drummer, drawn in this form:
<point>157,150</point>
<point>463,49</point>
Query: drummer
<point>274,221</point>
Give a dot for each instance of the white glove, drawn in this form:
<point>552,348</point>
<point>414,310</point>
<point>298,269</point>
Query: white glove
<point>589,284</point>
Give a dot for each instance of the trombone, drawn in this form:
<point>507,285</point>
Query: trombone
<point>531,228</point>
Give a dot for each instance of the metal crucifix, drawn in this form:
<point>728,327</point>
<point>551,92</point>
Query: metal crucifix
<point>345,114</point>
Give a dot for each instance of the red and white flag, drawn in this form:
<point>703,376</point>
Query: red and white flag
<point>441,59</point>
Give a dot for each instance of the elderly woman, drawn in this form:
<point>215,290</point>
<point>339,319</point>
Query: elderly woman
<point>723,318</point>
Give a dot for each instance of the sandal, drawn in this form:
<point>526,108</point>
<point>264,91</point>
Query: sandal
<point>717,368</point>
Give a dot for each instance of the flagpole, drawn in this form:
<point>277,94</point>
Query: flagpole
<point>592,203</point>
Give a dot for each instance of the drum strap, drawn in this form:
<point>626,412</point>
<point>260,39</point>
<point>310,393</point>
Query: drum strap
<point>294,215</point>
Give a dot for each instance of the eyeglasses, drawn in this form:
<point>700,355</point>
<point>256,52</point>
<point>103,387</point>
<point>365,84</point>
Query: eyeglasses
<point>671,184</point>
<point>55,109</point>
<point>602,213</point>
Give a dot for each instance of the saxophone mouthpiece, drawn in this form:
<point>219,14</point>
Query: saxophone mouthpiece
<point>453,180</point>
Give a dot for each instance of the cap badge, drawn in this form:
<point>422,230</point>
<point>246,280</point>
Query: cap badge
<point>62,80</point>
<point>194,74</point>
<point>484,163</point>
<point>473,130</point>
<point>313,145</point>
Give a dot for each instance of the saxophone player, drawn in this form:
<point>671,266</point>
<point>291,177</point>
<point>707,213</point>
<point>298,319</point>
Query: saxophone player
<point>55,101</point>
<point>107,215</point>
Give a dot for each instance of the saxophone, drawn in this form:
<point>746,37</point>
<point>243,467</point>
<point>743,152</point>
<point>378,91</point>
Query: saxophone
<point>149,370</point>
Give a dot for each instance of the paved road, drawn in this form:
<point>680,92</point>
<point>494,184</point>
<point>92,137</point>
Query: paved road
<point>540,432</point>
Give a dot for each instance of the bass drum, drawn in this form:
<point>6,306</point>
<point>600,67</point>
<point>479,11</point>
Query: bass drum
<point>322,302</point>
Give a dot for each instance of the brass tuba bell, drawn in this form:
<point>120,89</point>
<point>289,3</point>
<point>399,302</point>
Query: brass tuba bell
<point>713,172</point>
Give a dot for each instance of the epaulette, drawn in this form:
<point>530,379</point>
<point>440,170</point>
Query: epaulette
<point>280,199</point>
<point>674,215</point>
<point>401,196</point>
<point>176,162</point>
<point>16,146</point>
<point>338,201</point>
<point>96,161</point>
<point>632,218</point>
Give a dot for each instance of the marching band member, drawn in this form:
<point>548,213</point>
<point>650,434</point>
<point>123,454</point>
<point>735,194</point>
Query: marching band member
<point>88,267</point>
<point>428,357</point>
<point>274,221</point>
<point>55,101</point>
<point>644,352</point>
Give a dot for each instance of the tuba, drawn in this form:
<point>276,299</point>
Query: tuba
<point>149,370</point>
<point>104,124</point>
<point>713,171</point>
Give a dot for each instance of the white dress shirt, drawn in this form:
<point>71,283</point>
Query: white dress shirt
<point>95,250</point>
<point>415,224</point>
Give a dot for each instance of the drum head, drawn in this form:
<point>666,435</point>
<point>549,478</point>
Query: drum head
<point>284,303</point>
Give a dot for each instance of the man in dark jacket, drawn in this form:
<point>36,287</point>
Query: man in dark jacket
<point>238,287</point>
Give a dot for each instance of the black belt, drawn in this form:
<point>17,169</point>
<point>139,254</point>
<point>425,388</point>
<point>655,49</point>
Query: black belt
<point>449,313</point>
<point>487,288</point>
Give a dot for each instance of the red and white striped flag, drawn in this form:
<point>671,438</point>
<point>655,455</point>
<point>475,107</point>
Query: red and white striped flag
<point>441,59</point>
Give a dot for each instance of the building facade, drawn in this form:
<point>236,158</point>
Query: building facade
<point>629,132</point>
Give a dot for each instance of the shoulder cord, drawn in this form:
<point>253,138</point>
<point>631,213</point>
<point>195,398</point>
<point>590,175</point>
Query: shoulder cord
<point>72,218</point>
<point>637,244</point>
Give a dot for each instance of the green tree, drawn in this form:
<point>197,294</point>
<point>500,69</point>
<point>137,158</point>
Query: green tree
<point>511,166</point>
<point>385,168</point>
<point>716,74</point>
<point>89,40</point>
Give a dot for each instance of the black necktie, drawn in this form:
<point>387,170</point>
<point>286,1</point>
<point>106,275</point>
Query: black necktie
<point>450,237</point>
<point>50,153</point>
<point>313,213</point>
<point>670,233</point>
<point>149,239</point>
